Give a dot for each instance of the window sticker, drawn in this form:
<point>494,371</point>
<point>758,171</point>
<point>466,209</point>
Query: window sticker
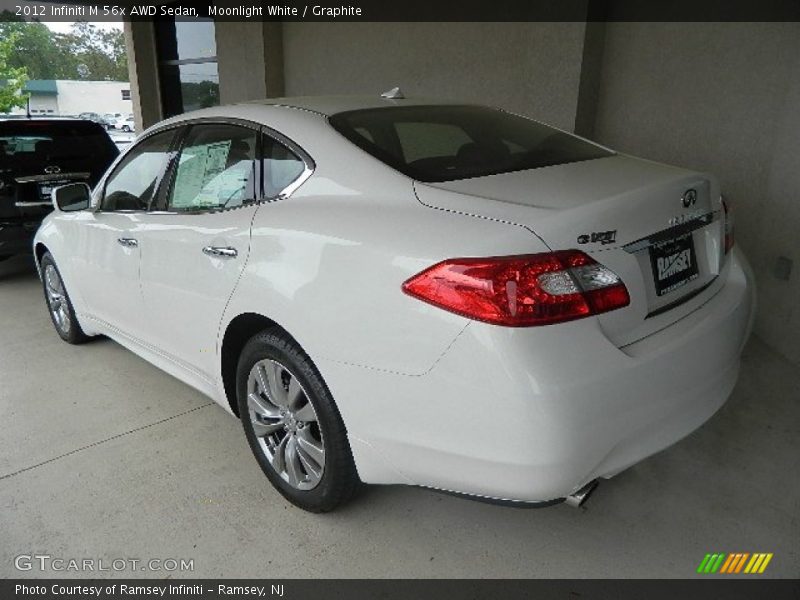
<point>198,184</point>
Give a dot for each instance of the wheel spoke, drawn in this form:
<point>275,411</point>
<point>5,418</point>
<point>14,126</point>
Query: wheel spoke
<point>274,386</point>
<point>54,284</point>
<point>294,394</point>
<point>263,410</point>
<point>279,456</point>
<point>49,286</point>
<point>293,469</point>
<point>261,407</point>
<point>48,278</point>
<point>313,470</point>
<point>311,447</point>
<point>261,378</point>
<point>261,429</point>
<point>307,413</point>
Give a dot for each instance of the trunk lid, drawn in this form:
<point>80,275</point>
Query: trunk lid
<point>636,217</point>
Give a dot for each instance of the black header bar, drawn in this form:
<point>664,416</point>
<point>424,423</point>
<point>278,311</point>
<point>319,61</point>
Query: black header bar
<point>410,10</point>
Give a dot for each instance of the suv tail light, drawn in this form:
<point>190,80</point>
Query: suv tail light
<point>521,291</point>
<point>729,239</point>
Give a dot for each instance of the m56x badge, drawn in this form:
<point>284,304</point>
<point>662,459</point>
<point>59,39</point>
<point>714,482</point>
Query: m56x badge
<point>601,237</point>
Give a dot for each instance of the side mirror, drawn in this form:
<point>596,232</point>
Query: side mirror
<point>71,197</point>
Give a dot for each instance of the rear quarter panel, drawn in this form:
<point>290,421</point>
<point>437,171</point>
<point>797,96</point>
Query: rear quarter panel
<point>328,263</point>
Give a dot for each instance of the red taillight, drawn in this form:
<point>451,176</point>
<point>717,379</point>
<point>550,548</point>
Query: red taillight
<point>729,240</point>
<point>521,291</point>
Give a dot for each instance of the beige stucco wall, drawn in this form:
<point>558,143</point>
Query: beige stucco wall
<point>719,97</point>
<point>531,68</point>
<point>250,60</point>
<point>724,98</point>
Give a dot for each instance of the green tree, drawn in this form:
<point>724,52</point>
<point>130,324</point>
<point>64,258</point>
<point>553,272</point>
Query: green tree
<point>199,94</point>
<point>87,52</point>
<point>12,79</point>
<point>94,54</point>
<point>34,48</point>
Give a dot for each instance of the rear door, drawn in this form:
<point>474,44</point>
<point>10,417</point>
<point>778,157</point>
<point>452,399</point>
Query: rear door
<point>195,241</point>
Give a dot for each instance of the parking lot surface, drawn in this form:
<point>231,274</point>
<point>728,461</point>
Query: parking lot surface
<point>103,456</point>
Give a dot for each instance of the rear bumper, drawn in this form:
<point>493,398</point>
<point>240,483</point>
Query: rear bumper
<point>533,414</point>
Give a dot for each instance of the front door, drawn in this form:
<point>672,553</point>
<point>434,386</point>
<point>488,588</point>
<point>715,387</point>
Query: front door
<point>107,246</point>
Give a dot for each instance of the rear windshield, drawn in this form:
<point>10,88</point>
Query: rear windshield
<point>445,143</point>
<point>57,142</point>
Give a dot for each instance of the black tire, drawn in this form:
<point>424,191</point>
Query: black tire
<point>4,257</point>
<point>339,479</point>
<point>72,334</point>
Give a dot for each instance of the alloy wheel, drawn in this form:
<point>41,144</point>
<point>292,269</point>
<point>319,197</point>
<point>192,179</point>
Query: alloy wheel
<point>57,299</point>
<point>285,424</point>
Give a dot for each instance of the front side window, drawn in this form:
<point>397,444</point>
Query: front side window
<point>214,169</point>
<point>445,143</point>
<point>281,167</point>
<point>132,184</point>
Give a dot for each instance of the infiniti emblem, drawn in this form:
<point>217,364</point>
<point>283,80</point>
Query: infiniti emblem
<point>52,169</point>
<point>689,198</point>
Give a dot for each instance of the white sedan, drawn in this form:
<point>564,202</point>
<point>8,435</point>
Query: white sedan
<point>398,291</point>
<point>125,123</point>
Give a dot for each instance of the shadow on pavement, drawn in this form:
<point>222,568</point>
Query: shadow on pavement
<point>18,268</point>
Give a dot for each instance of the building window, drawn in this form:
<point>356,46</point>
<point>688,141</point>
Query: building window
<point>187,61</point>
<point>126,94</point>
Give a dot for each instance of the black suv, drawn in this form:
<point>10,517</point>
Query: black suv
<point>37,155</point>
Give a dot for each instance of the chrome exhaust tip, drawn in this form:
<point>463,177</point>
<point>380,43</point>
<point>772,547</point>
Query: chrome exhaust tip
<point>577,498</point>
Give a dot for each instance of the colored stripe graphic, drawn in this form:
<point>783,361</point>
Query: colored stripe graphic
<point>734,563</point>
<point>727,563</point>
<point>703,563</point>
<point>765,563</point>
<point>741,561</point>
<point>749,567</point>
<point>717,563</point>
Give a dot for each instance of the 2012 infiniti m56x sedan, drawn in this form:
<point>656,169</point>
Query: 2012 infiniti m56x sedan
<point>389,290</point>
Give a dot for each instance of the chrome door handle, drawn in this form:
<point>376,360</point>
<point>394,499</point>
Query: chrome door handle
<point>128,242</point>
<point>220,251</point>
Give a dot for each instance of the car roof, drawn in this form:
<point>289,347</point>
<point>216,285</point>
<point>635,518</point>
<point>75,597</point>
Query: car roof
<point>310,107</point>
<point>331,105</point>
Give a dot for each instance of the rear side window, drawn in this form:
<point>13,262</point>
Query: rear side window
<point>281,167</point>
<point>445,143</point>
<point>134,181</point>
<point>215,169</point>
